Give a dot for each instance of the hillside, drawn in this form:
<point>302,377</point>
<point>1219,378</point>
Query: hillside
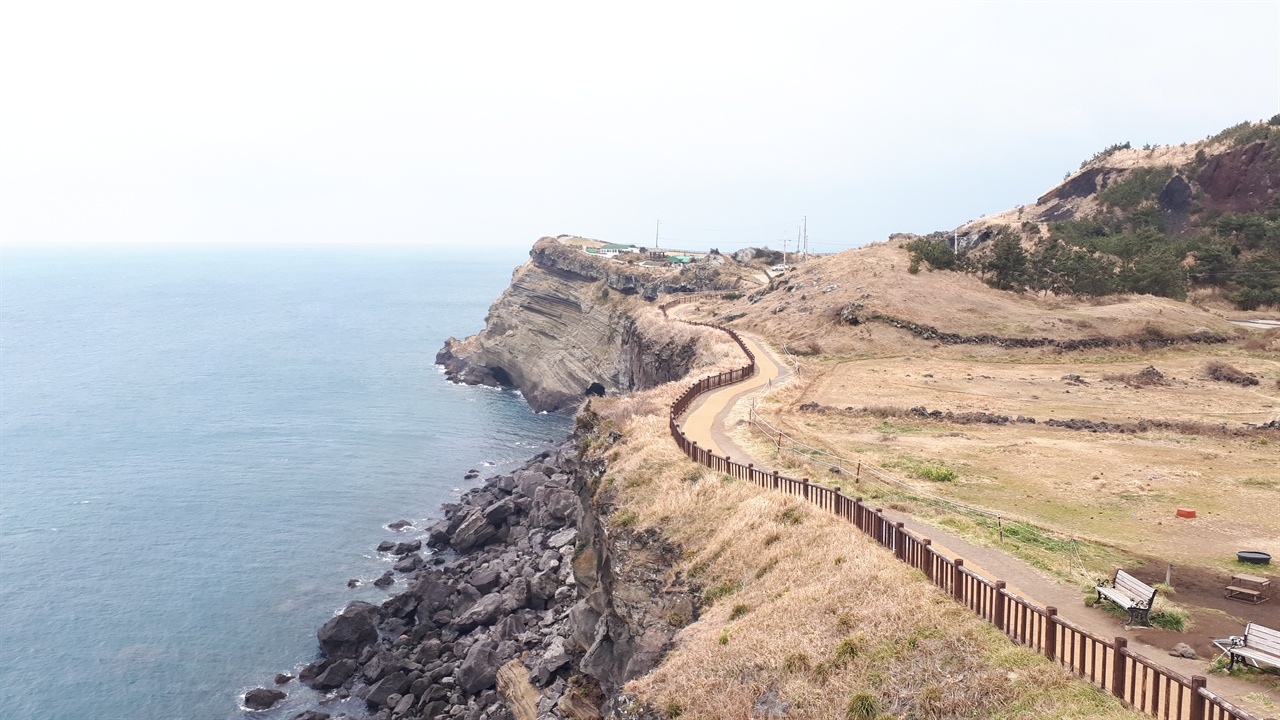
<point>1199,220</point>
<point>1056,427</point>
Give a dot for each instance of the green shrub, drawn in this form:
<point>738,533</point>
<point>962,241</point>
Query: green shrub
<point>791,515</point>
<point>937,252</point>
<point>1105,153</point>
<point>1169,618</point>
<point>937,472</point>
<point>862,706</point>
<point>623,518</point>
<point>720,591</point>
<point>1142,185</point>
<point>738,611</point>
<point>847,649</point>
<point>796,662</point>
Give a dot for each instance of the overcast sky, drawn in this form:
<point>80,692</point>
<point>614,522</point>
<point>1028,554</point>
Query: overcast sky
<point>497,123</point>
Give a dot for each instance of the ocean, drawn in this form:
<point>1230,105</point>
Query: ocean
<point>200,445</point>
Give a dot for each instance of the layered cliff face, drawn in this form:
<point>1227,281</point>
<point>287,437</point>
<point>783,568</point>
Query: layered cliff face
<point>566,328</point>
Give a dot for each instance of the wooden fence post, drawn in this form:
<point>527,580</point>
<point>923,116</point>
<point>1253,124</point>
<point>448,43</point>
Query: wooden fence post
<point>805,490</point>
<point>1118,670</point>
<point>957,583</point>
<point>926,557</point>
<point>899,547</point>
<point>1197,700</point>
<point>998,607</point>
<point>1051,632</point>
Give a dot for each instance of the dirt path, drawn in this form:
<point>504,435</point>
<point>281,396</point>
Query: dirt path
<point>705,423</point>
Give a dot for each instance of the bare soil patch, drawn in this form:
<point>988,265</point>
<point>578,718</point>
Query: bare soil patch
<point>1213,615</point>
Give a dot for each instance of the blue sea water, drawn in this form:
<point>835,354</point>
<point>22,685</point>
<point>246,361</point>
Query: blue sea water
<point>201,445</point>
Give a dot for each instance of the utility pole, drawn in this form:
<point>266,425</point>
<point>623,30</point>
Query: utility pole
<point>655,235</point>
<point>806,237</point>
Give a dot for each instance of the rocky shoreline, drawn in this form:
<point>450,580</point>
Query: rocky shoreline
<point>513,615</point>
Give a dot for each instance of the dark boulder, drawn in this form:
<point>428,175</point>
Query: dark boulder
<point>438,534</point>
<point>400,606</point>
<point>262,698</point>
<point>484,579</point>
<point>479,671</point>
<point>387,580</point>
<point>607,657</point>
<point>542,588</point>
<point>335,675</point>
<point>311,671</point>
<point>474,532</point>
<point>408,563</point>
<point>349,632</point>
<point>483,612</point>
<point>515,596</point>
<point>553,658</point>
<point>399,525</point>
<point>394,684</point>
<point>386,546</point>
<point>553,507</point>
<point>283,678</point>
<point>434,591</point>
<point>404,548</point>
<point>504,483</point>
<point>499,511</point>
<point>527,483</point>
<point>311,715</point>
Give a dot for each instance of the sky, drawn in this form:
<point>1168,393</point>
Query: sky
<point>496,123</point>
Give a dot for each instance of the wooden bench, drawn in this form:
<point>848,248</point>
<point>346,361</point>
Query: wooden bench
<point>1131,594</point>
<point>1259,645</point>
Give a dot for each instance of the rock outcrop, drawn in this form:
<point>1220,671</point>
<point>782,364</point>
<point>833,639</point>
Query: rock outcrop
<point>563,330</point>
<point>521,612</point>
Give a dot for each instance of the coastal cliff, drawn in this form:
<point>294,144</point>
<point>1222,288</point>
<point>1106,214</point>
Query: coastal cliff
<point>530,606</point>
<point>569,326</point>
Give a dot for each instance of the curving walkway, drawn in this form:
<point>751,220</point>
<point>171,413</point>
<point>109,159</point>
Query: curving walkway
<point>704,422</point>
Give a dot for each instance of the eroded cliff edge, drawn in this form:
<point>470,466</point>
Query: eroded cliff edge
<point>567,327</point>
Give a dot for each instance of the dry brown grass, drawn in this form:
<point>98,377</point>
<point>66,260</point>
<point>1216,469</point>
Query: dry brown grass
<point>876,277</point>
<point>803,604</point>
<point>1185,445</point>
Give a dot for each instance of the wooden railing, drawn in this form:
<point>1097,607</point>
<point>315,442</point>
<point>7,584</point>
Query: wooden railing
<point>1136,681</point>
